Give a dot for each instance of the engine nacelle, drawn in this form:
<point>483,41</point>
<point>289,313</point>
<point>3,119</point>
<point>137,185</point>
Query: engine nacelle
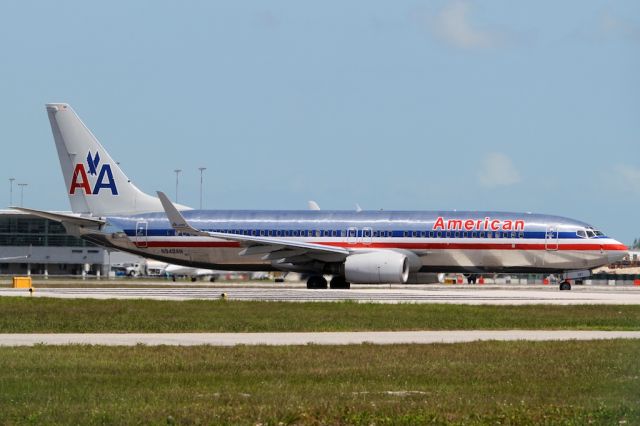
<point>378,267</point>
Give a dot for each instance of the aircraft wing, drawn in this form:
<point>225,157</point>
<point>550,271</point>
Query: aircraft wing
<point>281,250</point>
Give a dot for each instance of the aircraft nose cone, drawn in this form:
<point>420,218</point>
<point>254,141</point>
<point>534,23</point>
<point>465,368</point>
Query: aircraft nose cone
<point>620,252</point>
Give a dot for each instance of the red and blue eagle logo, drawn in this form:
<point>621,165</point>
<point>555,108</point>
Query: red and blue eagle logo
<point>80,180</point>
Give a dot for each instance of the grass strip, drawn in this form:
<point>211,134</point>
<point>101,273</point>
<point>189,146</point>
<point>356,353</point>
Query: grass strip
<point>51,315</point>
<point>474,383</point>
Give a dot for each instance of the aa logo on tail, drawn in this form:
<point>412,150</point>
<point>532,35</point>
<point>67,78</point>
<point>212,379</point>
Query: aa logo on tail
<point>80,179</point>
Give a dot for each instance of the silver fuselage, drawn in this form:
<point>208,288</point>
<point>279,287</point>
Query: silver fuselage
<point>442,240</point>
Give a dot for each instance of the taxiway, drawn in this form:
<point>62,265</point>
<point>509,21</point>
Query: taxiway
<point>311,338</point>
<point>468,295</point>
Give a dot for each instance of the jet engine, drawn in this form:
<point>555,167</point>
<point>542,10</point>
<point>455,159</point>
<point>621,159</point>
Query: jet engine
<point>379,267</point>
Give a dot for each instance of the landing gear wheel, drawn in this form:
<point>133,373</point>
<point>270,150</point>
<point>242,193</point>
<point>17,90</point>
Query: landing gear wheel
<point>338,282</point>
<point>565,285</point>
<point>316,282</point>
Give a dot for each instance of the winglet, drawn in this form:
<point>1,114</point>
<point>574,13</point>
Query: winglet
<point>178,222</point>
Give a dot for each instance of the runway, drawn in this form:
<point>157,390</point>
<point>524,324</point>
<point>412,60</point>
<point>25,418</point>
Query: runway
<point>468,295</point>
<point>323,338</point>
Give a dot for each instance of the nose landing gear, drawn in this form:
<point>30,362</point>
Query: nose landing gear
<point>565,285</point>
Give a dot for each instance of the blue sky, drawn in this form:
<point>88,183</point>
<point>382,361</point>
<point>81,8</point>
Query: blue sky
<point>500,105</point>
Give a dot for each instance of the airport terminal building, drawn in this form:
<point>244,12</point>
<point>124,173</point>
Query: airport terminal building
<point>30,245</point>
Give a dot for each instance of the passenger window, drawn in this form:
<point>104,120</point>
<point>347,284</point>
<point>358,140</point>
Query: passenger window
<point>431,234</point>
<point>415,234</point>
<point>439,234</point>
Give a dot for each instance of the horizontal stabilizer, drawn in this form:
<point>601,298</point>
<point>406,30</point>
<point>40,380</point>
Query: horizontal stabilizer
<point>85,222</point>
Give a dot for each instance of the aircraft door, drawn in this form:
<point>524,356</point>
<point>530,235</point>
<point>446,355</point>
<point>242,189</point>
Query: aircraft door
<point>367,234</point>
<point>352,235</point>
<point>141,234</point>
<point>551,238</point>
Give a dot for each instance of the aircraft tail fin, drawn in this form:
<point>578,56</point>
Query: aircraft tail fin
<point>95,183</point>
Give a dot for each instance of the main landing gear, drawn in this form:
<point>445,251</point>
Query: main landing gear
<point>339,282</point>
<point>318,282</point>
<point>565,285</point>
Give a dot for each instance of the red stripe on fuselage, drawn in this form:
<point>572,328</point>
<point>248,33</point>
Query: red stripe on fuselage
<point>208,244</point>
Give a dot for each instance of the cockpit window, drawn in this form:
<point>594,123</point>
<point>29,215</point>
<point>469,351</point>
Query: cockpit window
<point>598,233</point>
<point>590,233</point>
<point>581,233</point>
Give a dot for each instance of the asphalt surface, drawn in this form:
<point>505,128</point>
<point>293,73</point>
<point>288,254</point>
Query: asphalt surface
<point>322,338</point>
<point>468,295</point>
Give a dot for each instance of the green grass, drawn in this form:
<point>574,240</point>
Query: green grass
<point>474,383</point>
<point>30,315</point>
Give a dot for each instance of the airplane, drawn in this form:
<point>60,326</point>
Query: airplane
<point>315,206</point>
<point>192,273</point>
<point>14,258</point>
<point>24,256</point>
<point>372,247</point>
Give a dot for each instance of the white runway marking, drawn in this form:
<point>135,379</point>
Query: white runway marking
<point>319,338</point>
<point>424,294</point>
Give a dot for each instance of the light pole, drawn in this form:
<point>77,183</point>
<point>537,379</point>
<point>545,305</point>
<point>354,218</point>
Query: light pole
<point>22,185</point>
<point>11,191</point>
<point>177,172</point>
<point>202,169</point>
